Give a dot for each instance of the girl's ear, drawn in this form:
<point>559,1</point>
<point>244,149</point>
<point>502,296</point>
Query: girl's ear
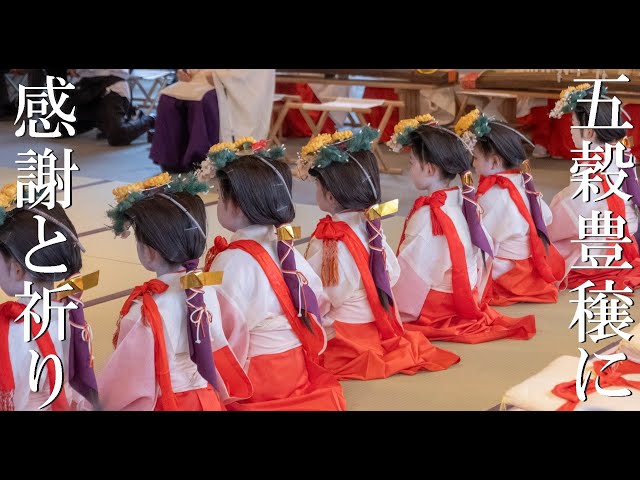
<point>331,199</point>
<point>17,271</point>
<point>147,254</point>
<point>429,169</point>
<point>588,134</point>
<point>496,161</point>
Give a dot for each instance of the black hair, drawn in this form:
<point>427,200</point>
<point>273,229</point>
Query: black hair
<point>255,188</point>
<point>604,116</point>
<point>441,148</point>
<point>349,184</point>
<point>19,234</point>
<point>258,191</point>
<point>160,224</point>
<point>505,143</point>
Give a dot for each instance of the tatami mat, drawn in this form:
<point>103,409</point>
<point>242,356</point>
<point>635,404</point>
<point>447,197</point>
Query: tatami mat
<point>478,382</point>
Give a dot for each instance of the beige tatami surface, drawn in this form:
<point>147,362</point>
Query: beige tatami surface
<point>478,382</point>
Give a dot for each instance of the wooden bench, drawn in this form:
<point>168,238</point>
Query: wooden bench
<point>281,106</point>
<point>357,106</point>
<point>509,109</point>
<point>511,97</point>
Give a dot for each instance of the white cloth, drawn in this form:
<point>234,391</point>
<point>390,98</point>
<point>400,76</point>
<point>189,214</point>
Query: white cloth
<point>425,259</point>
<point>534,394</point>
<point>631,347</point>
<point>566,213</point>
<point>525,104</point>
<point>20,353</point>
<point>121,88</point>
<point>322,90</point>
<point>194,89</point>
<point>348,298</point>
<point>245,102</point>
<point>439,102</point>
<point>506,226</point>
<point>247,297</point>
<point>494,107</point>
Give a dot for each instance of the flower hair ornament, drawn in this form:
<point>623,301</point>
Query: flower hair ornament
<point>569,99</point>
<point>9,202</point>
<point>160,185</point>
<point>222,154</point>
<point>570,96</point>
<point>400,137</point>
<point>476,125</point>
<point>325,149</point>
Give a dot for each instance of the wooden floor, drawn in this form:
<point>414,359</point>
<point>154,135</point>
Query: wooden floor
<point>478,382</point>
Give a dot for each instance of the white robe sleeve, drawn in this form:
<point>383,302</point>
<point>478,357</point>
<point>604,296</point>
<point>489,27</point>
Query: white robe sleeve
<point>497,205</point>
<point>235,329</point>
<point>565,215</point>
<point>547,214</point>
<point>128,380</point>
<point>420,264</point>
<point>239,279</point>
<point>393,266</point>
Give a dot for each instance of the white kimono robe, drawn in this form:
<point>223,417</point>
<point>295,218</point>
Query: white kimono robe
<point>425,260</point>
<point>507,228</point>
<point>348,299</point>
<point>254,321</point>
<point>565,225</point>
<point>128,380</point>
<point>20,352</point>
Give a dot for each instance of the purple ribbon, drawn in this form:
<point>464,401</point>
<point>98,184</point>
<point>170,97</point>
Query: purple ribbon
<point>536,211</point>
<point>470,211</point>
<point>303,297</point>
<point>377,258</point>
<point>198,318</point>
<point>81,376</point>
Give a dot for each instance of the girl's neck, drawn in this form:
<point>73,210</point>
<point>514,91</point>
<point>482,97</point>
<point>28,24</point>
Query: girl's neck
<point>341,209</point>
<point>242,222</point>
<point>441,184</point>
<point>499,169</point>
<point>38,287</point>
<point>167,268</point>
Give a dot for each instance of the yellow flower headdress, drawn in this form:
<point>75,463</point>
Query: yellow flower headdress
<point>164,183</point>
<point>8,200</point>
<point>403,128</point>
<point>471,126</point>
<point>569,99</point>
<point>476,125</point>
<point>324,149</point>
<point>221,154</point>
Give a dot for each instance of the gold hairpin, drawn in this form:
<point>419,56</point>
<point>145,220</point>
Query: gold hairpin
<point>79,284</point>
<point>289,232</point>
<point>200,279</point>
<point>382,210</point>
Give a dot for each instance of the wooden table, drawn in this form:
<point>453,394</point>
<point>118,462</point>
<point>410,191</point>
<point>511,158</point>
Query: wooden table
<point>408,92</point>
<point>511,97</point>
